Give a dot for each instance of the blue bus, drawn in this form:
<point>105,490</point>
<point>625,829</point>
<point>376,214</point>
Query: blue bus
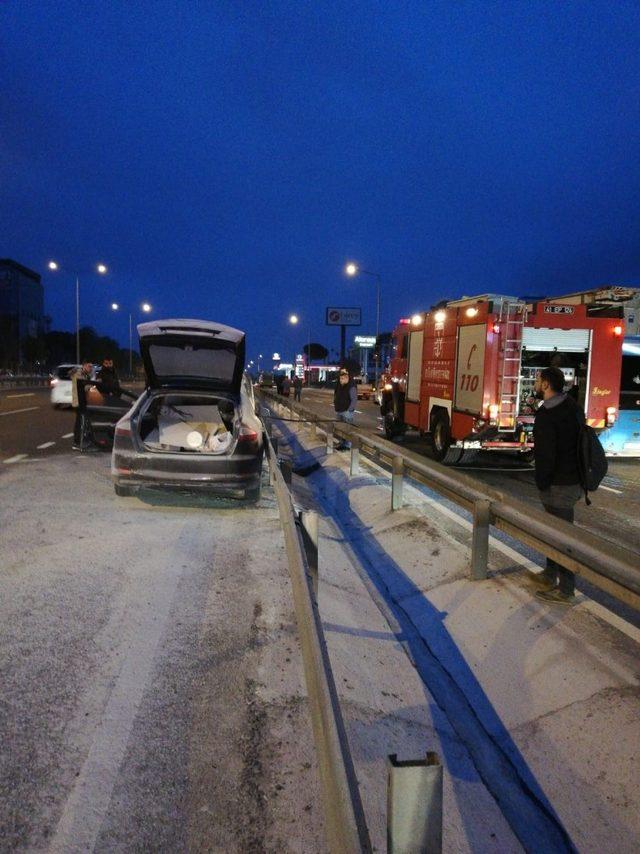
<point>623,439</point>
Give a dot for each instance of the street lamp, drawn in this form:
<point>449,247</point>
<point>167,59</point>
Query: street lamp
<point>102,270</point>
<point>294,320</point>
<point>352,269</point>
<point>143,307</point>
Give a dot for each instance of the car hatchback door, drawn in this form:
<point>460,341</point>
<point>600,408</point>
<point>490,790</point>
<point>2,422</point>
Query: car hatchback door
<point>192,355</point>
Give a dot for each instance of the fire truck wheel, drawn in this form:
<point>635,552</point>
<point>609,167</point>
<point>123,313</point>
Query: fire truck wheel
<point>391,426</point>
<point>469,455</point>
<point>440,436</point>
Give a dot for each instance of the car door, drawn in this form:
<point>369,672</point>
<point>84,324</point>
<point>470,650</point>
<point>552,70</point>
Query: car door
<point>102,412</point>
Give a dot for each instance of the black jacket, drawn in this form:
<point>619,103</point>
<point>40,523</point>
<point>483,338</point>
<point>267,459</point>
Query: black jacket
<point>344,397</point>
<point>109,382</point>
<point>555,443</point>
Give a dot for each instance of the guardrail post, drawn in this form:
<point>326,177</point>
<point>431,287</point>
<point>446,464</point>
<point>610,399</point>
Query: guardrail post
<point>313,428</point>
<point>480,539</point>
<point>330,438</point>
<point>354,466</point>
<point>414,805</point>
<point>397,472</point>
<point>309,519</point>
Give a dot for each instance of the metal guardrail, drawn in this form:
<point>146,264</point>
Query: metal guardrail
<point>27,380</point>
<point>610,567</point>
<point>345,824</point>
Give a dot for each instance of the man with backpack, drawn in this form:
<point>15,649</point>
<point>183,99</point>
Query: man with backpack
<point>557,431</point>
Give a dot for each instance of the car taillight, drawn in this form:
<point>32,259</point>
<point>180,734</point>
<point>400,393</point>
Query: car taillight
<point>246,434</point>
<point>123,432</point>
<point>611,416</point>
<point>54,381</point>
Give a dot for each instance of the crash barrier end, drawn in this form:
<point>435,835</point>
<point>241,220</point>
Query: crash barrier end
<point>414,805</point>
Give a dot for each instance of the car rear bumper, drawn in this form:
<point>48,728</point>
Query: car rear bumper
<point>231,475</point>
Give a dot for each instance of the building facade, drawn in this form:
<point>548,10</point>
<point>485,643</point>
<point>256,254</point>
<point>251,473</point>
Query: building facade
<point>21,310</point>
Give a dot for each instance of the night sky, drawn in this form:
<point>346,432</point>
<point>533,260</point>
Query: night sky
<point>226,158</point>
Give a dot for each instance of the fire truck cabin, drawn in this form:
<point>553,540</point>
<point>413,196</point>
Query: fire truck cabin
<point>464,372</point>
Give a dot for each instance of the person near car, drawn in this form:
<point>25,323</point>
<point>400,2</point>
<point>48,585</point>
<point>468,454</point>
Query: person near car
<point>286,386</point>
<point>108,378</point>
<point>555,434</point>
<point>345,399</point>
<point>297,388</point>
<point>83,372</point>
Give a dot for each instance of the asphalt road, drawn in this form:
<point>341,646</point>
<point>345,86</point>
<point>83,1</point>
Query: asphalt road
<point>614,514</point>
<point>152,692</point>
<point>30,428</point>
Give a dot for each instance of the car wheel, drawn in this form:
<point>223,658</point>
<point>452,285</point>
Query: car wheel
<point>123,491</point>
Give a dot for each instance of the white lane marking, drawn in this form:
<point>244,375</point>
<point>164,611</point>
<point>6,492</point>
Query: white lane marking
<point>45,445</point>
<point>67,436</point>
<point>22,394</point>
<point>15,459</point>
<point>614,620</point>
<point>15,411</point>
<point>611,489</point>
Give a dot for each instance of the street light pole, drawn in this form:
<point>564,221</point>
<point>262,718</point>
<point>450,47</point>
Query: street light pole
<point>146,308</point>
<point>100,268</point>
<point>352,269</point>
<point>77,320</point>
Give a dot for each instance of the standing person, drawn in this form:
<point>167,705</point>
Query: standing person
<point>297,388</point>
<point>108,378</point>
<point>84,372</point>
<point>555,436</point>
<point>286,386</point>
<point>345,399</point>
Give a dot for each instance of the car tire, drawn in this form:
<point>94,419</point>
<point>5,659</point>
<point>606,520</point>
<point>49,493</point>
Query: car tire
<point>123,491</point>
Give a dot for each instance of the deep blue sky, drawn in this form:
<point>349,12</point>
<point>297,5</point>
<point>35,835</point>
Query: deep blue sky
<point>225,158</point>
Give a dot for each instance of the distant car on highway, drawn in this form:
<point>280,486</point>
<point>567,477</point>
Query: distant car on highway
<point>195,426</point>
<point>61,385</point>
<point>364,390</point>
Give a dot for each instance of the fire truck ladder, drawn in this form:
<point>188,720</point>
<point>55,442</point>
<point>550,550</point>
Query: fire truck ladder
<point>512,315</point>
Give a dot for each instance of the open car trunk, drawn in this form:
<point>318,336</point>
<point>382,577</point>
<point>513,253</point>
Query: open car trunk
<point>190,424</point>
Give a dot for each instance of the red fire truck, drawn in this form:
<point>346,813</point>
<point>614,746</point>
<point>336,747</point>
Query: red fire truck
<point>463,373</point>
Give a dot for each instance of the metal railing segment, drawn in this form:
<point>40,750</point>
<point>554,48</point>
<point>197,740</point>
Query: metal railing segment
<point>345,825</point>
<point>610,567</point>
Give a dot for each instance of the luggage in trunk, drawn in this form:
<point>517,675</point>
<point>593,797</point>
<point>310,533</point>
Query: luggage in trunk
<point>199,428</point>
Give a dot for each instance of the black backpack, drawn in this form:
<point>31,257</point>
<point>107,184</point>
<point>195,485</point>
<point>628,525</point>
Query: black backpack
<point>592,461</point>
